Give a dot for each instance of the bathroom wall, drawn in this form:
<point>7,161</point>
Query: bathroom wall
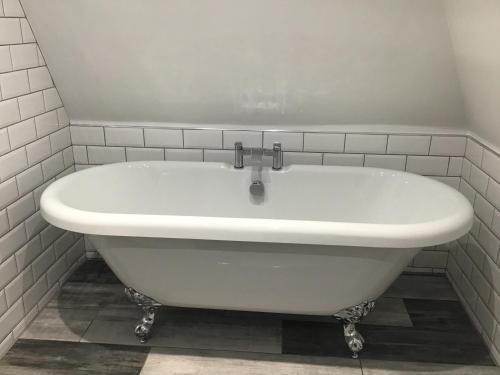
<point>35,149</point>
<point>257,63</point>
<point>473,266</point>
<point>474,29</point>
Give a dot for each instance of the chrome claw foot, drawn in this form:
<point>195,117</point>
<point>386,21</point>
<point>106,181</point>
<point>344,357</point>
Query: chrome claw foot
<point>149,306</point>
<point>350,317</point>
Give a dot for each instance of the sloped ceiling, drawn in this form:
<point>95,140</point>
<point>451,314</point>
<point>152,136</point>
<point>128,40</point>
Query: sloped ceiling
<point>251,61</point>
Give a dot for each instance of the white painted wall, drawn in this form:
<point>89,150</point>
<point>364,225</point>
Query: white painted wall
<point>475,32</point>
<point>251,62</point>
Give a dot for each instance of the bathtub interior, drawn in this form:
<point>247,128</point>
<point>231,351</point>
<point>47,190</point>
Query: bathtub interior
<point>334,194</point>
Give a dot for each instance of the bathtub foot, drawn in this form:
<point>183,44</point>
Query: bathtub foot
<point>149,307</point>
<point>350,317</point>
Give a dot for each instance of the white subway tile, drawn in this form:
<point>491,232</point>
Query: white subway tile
<point>10,319</point>
<point>428,165</point>
<point>491,164</point>
<point>349,160</point>
<point>496,224</point>
<point>38,150</point>
<point>52,166</point>
<point>49,235</point>
<point>4,142</point>
<point>52,99</point>
<point>105,155</point>
<point>203,139</point>
<point>409,144</point>
<point>10,31</point>
<point>24,56</point>
<point>4,223</point>
<point>475,252</point>
<point>14,84</point>
<point>289,141</point>
<point>485,318</point>
<point>35,293</point>
<point>39,78</point>
<point>476,225</point>
<point>366,143</point>
<point>63,243</point>
<point>489,242</point>
<point>484,210</point>
<point>80,154</point>
<point>76,251</point>
<point>35,224</point>
<point>448,146</point>
<point>41,60</point>
<point>466,168</point>
<point>12,8</point>
<point>478,179</point>
<point>8,270</point>
<point>26,254</point>
<point>21,209</point>
<point>163,138</point>
<point>324,142</point>
<point>87,135</point>
<point>220,156</point>
<point>31,105</point>
<point>5,59</point>
<point>304,158</point>
<point>27,33</point>
<point>18,286</point>
<point>12,241</point>
<point>22,133</point>
<point>173,154</point>
<point>455,166</point>
<point>145,154</point>
<point>467,191</point>
<point>37,193</point>
<point>66,172</point>
<point>12,163</point>
<point>46,123</point>
<point>56,271</point>
<point>8,192</point>
<point>60,140</point>
<point>63,117</point>
<point>124,136</point>
<point>474,152</point>
<point>9,112</point>
<point>248,138</point>
<point>29,179</point>
<point>434,259</point>
<point>68,157</point>
<point>397,162</point>
<point>453,182</point>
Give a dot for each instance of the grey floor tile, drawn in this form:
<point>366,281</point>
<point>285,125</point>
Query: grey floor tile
<point>163,361</point>
<point>422,287</point>
<point>375,367</point>
<point>37,357</point>
<point>60,324</point>
<point>197,329</point>
<point>389,312</point>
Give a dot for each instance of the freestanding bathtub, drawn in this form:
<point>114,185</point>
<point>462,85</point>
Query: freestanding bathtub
<point>317,240</point>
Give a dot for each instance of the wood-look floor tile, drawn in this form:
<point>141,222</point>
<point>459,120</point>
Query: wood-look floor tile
<point>94,271</point>
<point>162,361</point>
<point>198,329</point>
<point>377,367</point>
<point>37,357</point>
<point>60,324</point>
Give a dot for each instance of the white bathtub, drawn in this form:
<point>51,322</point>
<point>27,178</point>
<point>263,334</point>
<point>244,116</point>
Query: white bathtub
<point>319,241</point>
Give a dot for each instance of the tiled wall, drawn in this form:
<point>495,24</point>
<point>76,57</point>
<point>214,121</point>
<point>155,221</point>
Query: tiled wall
<point>473,266</point>
<point>35,149</point>
<point>438,156</point>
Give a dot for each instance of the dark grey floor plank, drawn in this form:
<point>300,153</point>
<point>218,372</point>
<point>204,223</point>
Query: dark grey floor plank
<point>422,287</point>
<point>40,357</point>
<point>94,271</point>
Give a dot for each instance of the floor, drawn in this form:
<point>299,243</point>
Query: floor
<point>418,327</point>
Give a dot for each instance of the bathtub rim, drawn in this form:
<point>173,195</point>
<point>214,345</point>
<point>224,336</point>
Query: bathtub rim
<point>256,229</point>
